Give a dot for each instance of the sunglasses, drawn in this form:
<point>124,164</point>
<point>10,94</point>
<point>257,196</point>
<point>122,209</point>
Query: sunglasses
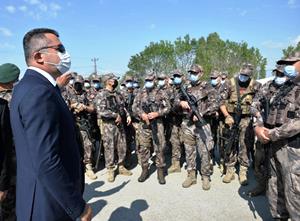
<point>59,48</point>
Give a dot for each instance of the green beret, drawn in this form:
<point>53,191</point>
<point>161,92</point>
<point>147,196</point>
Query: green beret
<point>9,73</point>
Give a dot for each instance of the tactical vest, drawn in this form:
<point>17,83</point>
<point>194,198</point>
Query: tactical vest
<point>285,108</point>
<point>245,102</point>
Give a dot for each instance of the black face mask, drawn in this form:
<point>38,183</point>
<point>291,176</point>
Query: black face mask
<point>115,84</point>
<point>78,87</point>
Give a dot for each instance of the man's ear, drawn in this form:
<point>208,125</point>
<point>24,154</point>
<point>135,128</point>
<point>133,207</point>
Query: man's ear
<point>38,57</point>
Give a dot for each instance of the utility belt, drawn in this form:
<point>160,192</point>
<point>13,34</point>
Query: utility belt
<point>242,115</point>
<point>108,119</point>
<point>145,126</point>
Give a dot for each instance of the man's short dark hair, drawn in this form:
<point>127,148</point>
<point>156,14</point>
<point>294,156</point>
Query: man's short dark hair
<point>36,39</point>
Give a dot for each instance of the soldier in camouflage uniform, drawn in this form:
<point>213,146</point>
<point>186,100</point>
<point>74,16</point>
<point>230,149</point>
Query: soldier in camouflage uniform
<point>259,109</point>
<point>198,137</point>
<point>81,109</point>
<point>283,190</point>
<point>217,119</point>
<point>241,91</point>
<point>9,74</point>
<point>129,93</point>
<point>175,119</point>
<point>111,109</point>
<point>151,105</point>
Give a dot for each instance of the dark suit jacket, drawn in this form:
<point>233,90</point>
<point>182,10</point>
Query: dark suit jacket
<point>49,172</point>
<point>6,146</point>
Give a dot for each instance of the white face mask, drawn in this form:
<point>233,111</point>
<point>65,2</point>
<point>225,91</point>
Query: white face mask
<point>64,64</point>
<point>87,85</point>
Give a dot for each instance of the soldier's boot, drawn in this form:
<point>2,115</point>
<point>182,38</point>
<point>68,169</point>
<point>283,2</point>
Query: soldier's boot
<point>124,171</point>
<point>144,175</point>
<point>205,183</point>
<point>259,189</point>
<point>175,167</point>
<point>110,175</point>
<point>243,176</point>
<point>89,172</point>
<point>160,175</point>
<point>229,176</point>
<point>190,179</point>
<point>221,167</point>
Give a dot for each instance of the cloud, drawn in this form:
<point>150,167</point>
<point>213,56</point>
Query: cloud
<point>281,45</point>
<point>23,8</point>
<point>37,9</point>
<point>10,9</point>
<point>5,32</point>
<point>292,3</point>
<point>296,40</point>
<point>152,26</point>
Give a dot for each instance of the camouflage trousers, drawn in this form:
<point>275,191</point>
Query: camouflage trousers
<point>193,139</point>
<point>260,170</point>
<point>146,141</point>
<point>114,143</point>
<point>284,185</point>
<point>246,142</point>
<point>87,146</point>
<point>176,141</point>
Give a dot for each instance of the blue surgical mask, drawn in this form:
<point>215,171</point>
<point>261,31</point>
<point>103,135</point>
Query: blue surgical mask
<point>214,82</point>
<point>97,85</point>
<point>149,84</point>
<point>129,85</point>
<point>193,78</point>
<point>222,81</point>
<point>161,83</point>
<point>243,78</point>
<point>290,71</point>
<point>135,85</point>
<point>87,85</point>
<point>280,80</point>
<point>177,80</point>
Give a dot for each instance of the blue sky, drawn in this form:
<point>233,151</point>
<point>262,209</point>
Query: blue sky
<point>114,30</point>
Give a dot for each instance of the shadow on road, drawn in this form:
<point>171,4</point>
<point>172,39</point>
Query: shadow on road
<point>130,214</point>
<point>258,205</point>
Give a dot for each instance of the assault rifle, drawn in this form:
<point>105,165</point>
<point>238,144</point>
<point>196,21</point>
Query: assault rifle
<point>201,124</point>
<point>147,108</point>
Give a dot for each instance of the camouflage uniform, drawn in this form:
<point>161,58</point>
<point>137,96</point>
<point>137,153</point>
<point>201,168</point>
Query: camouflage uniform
<point>284,184</point>
<point>246,134</point>
<point>78,103</point>
<point>217,119</point>
<point>109,105</point>
<point>193,137</point>
<point>146,101</point>
<point>260,107</point>
<point>129,94</point>
<point>8,206</point>
<point>174,120</point>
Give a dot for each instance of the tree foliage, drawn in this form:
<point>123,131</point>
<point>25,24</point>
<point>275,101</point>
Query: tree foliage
<point>212,53</point>
<point>290,50</point>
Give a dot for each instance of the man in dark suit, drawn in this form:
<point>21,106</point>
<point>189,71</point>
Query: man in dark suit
<point>49,173</point>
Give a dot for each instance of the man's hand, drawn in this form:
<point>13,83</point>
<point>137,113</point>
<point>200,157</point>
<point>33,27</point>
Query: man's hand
<point>118,120</point>
<point>229,120</point>
<point>153,115</point>
<point>184,105</point>
<point>195,118</point>
<point>3,195</point>
<point>87,213</point>
<point>64,79</point>
<point>128,120</point>
<point>262,134</point>
<point>145,118</point>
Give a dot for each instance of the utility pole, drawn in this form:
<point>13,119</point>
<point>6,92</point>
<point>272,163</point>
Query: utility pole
<point>94,60</point>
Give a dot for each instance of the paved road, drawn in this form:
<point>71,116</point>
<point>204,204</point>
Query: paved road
<point>128,200</point>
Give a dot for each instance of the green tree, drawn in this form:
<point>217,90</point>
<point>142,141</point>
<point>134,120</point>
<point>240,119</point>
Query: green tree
<point>290,50</point>
<point>212,53</point>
